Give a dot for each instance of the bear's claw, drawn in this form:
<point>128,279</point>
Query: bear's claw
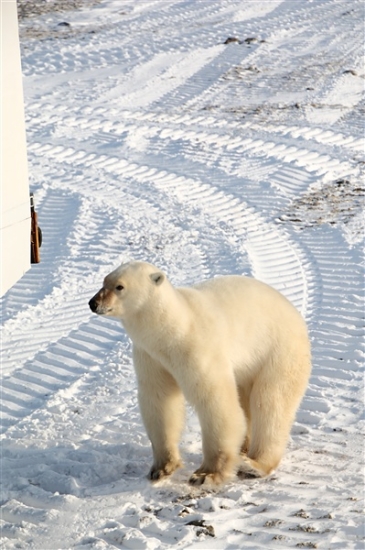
<point>197,479</point>
<point>155,475</point>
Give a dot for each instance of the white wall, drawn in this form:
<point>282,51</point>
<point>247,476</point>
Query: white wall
<point>15,211</point>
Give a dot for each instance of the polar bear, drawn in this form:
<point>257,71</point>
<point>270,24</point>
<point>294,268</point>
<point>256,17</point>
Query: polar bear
<point>232,346</point>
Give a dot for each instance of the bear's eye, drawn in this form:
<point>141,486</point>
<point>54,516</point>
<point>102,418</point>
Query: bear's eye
<point>119,287</point>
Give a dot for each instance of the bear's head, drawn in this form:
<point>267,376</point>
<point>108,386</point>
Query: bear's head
<point>126,290</point>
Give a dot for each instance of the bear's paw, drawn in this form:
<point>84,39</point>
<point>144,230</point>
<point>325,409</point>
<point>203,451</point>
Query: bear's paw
<point>159,472</point>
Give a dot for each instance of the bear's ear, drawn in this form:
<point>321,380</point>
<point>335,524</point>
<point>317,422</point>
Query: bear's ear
<point>157,278</point>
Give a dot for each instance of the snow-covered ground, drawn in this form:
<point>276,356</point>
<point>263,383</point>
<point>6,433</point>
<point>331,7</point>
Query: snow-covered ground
<point>150,138</point>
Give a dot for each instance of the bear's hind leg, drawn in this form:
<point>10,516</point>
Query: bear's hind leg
<point>269,435</point>
<point>265,450</point>
<point>273,405</point>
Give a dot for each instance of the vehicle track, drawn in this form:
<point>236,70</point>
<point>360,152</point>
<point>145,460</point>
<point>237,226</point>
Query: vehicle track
<point>222,207</point>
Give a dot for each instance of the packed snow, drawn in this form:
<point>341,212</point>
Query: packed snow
<point>207,137</point>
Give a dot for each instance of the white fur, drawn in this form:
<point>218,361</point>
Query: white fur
<point>234,347</point>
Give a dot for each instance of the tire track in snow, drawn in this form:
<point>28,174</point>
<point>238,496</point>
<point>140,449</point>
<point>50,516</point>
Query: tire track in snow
<point>286,15</point>
<point>160,32</point>
<point>318,135</point>
<point>44,347</point>
<point>338,350</point>
<point>170,76</point>
<point>302,162</point>
<point>48,316</point>
<point>292,91</point>
<point>54,368</point>
<point>223,208</point>
<point>281,151</point>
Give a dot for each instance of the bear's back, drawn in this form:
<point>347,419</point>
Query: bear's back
<point>257,301</point>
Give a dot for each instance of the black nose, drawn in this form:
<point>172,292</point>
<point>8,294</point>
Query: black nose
<point>93,305</point>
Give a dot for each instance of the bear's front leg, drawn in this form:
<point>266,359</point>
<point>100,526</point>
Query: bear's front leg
<point>162,408</point>
<point>223,427</point>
